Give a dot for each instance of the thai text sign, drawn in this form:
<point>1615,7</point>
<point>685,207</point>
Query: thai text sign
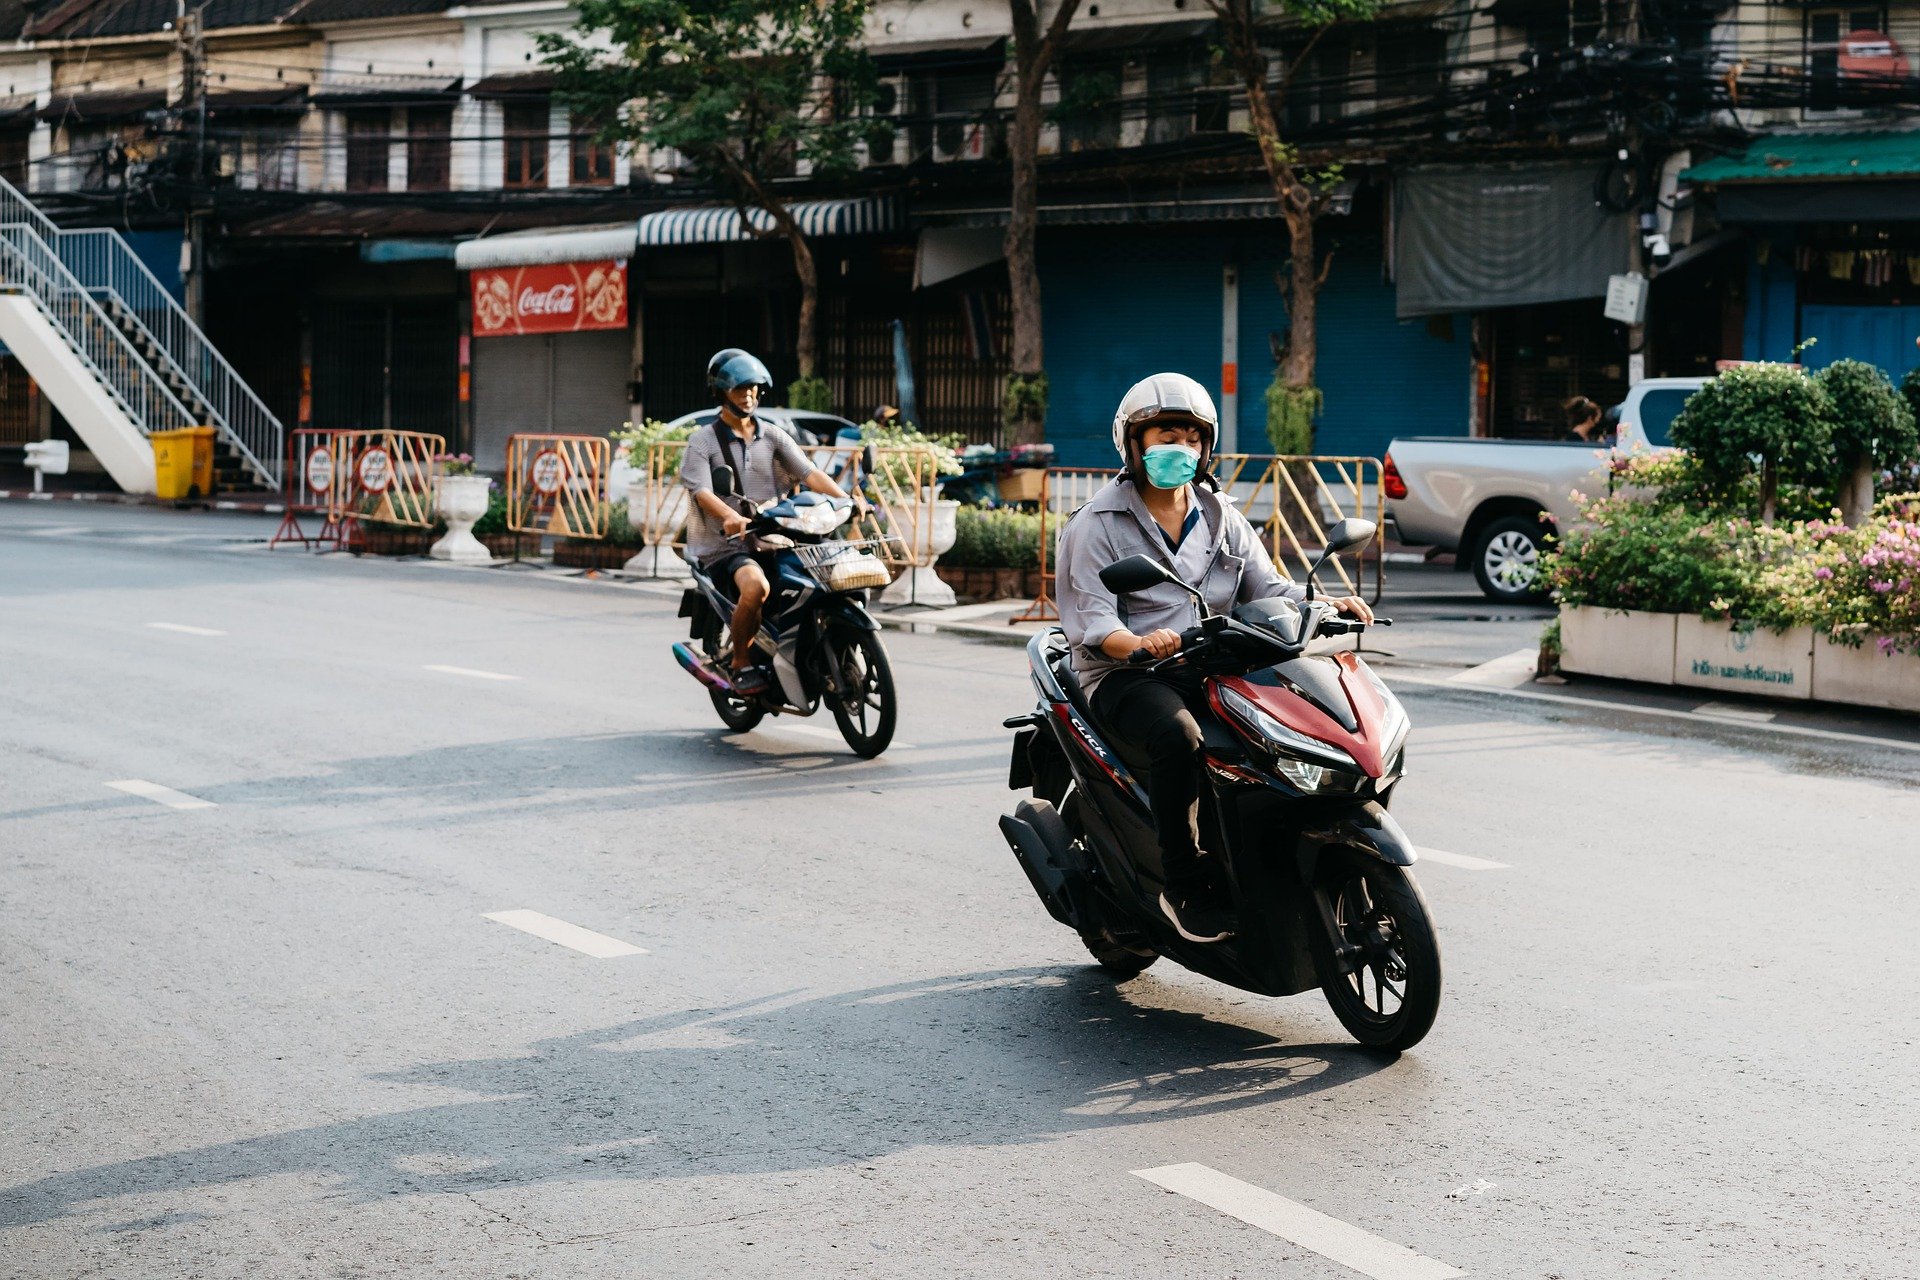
<point>564,297</point>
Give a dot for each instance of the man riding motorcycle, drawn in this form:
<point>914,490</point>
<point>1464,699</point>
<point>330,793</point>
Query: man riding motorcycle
<point>1166,504</point>
<point>766,465</point>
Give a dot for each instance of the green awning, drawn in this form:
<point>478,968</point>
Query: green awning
<point>1816,157</point>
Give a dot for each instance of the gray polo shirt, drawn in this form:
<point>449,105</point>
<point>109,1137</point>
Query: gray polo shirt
<point>1234,569</point>
<point>765,468</point>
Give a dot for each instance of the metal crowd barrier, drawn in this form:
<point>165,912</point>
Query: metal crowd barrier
<point>1291,499</point>
<point>555,484</point>
<point>900,491</point>
<point>384,476</point>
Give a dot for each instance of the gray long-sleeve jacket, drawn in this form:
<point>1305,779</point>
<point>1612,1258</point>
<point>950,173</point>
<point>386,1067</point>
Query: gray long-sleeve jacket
<point>1115,525</point>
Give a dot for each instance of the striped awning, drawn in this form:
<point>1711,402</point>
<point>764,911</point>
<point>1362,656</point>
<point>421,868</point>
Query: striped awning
<point>718,224</point>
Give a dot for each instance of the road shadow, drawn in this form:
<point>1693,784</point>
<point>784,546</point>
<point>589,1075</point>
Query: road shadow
<point>477,782</point>
<point>785,1084</point>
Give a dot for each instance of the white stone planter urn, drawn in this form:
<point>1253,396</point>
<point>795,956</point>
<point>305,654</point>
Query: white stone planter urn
<point>461,500</point>
<point>920,584</point>
<point>656,512</point>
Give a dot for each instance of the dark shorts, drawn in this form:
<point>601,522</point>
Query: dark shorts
<point>723,566</point>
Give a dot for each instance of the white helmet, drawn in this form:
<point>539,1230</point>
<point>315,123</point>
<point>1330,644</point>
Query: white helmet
<point>1170,394</point>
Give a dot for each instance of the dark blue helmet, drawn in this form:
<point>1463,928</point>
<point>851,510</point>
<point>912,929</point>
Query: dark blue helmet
<point>736,368</point>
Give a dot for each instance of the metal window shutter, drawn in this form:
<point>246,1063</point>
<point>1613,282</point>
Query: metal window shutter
<point>510,393</point>
<point>590,372</point>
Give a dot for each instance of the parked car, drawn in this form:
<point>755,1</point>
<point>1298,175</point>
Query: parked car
<point>1496,502</point>
<point>804,425</point>
<point>808,429</point>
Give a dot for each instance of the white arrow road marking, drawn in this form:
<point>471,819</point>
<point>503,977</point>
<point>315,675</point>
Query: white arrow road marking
<point>161,795</point>
<point>832,735</point>
<point>184,629</point>
<point>1465,862</point>
<point>468,671</point>
<point>1309,1228</point>
<point>598,945</point>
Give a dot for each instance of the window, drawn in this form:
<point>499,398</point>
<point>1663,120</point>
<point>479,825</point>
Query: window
<point>1089,109</point>
<point>1658,409</point>
<point>13,155</point>
<point>592,158</point>
<point>429,148</point>
<point>369,144</point>
<point>276,164</point>
<point>1180,102</point>
<point>526,132</point>
<point>1826,32</point>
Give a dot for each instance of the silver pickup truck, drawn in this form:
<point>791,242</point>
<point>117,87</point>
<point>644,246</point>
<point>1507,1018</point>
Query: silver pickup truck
<point>1495,502</point>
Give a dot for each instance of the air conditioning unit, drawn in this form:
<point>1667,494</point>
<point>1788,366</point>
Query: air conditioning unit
<point>959,139</point>
<point>890,104</point>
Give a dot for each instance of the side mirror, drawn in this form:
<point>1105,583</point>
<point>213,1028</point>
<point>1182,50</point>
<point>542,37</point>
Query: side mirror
<point>1345,536</point>
<point>724,482</point>
<point>1135,573</point>
<point>1350,533</point>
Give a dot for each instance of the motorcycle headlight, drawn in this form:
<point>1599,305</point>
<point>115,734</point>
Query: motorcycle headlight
<point>1396,725</point>
<point>816,518</point>
<point>1325,768</point>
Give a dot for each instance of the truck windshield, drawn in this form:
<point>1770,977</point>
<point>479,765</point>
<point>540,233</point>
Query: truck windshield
<point>1658,409</point>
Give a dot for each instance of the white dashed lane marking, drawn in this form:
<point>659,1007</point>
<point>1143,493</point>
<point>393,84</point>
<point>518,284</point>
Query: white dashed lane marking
<point>1465,862</point>
<point>184,629</point>
<point>598,945</point>
<point>161,795</point>
<point>468,671</point>
<point>1331,1238</point>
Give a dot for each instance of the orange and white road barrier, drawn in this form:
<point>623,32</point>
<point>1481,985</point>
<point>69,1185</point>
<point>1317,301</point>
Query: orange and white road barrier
<point>555,485</point>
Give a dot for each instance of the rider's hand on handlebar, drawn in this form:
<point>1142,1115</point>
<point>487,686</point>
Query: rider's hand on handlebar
<point>1163,643</point>
<point>734,525</point>
<point>1352,606</point>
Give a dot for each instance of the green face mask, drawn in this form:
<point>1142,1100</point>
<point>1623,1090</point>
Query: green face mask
<point>1171,465</point>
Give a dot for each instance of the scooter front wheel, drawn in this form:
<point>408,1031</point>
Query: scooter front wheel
<point>865,706</point>
<point>1380,969</point>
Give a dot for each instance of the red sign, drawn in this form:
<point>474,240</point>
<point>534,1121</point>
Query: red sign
<point>547,471</point>
<point>376,470</point>
<point>564,297</point>
<point>1872,55</point>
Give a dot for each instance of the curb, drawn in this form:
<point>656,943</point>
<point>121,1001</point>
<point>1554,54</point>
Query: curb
<point>142,500</point>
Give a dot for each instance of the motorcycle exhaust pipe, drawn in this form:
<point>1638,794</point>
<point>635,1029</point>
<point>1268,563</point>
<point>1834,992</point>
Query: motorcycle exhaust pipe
<point>700,669</point>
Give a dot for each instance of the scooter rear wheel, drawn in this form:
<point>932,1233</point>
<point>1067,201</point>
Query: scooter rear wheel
<point>1381,972</point>
<point>737,714</point>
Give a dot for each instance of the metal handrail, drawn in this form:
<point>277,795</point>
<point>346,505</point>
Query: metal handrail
<point>101,260</point>
<point>29,264</point>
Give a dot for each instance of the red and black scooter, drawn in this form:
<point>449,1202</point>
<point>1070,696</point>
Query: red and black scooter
<point>1302,754</point>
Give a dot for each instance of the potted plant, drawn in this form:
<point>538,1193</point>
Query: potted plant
<point>460,497</point>
<point>908,465</point>
<point>407,534</point>
<point>613,551</point>
<point>656,502</point>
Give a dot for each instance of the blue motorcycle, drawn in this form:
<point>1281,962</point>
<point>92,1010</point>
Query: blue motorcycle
<point>815,633</point>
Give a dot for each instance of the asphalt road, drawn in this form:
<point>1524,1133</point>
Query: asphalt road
<point>279,1035</point>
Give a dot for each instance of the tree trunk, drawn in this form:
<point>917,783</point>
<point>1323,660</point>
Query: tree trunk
<point>1856,493</point>
<point>1303,304</point>
<point>1023,276</point>
<point>1769,491</point>
<point>1033,52</point>
<point>805,350</point>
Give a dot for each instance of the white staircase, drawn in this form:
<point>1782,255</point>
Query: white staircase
<point>118,356</point>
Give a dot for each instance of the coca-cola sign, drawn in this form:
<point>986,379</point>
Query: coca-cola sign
<point>561,297</point>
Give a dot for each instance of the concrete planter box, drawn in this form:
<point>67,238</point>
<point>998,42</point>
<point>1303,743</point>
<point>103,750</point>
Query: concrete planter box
<point>1621,644</point>
<point>1735,658</point>
<point>1865,676</point>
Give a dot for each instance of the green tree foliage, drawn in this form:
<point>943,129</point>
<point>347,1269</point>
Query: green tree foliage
<point>1873,428</point>
<point>1769,419</point>
<point>745,91</point>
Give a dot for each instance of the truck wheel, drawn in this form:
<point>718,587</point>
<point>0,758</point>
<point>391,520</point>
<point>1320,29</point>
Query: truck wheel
<point>1506,560</point>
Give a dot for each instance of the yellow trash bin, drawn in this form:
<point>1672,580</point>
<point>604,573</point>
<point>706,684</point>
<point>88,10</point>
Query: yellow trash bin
<point>202,461</point>
<point>172,462</point>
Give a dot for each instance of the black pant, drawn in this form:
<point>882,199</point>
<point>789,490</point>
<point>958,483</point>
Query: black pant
<point>1158,716</point>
